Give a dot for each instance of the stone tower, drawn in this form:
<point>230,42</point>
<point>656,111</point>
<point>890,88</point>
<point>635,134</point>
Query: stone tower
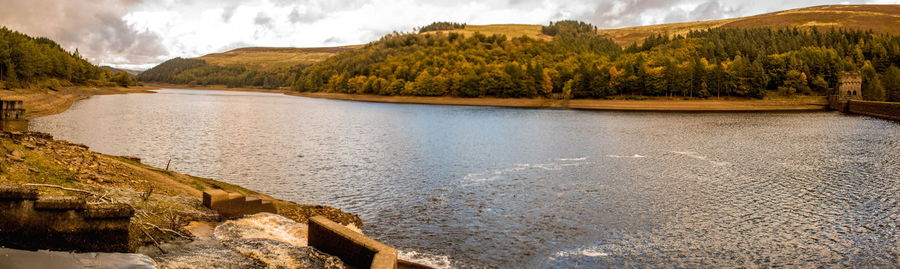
<point>850,86</point>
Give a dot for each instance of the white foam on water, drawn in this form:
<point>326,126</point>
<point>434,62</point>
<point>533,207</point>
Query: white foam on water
<point>697,156</point>
<point>267,226</point>
<point>592,253</point>
<point>499,173</point>
<point>588,252</point>
<point>636,156</point>
<point>436,261</point>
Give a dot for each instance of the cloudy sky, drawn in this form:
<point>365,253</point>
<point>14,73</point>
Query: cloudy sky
<point>141,33</point>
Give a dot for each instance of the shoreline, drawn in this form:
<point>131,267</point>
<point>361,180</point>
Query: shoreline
<point>43,102</point>
<point>804,103</point>
<point>38,158</point>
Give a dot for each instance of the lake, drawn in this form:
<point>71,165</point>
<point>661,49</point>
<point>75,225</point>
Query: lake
<point>513,188</point>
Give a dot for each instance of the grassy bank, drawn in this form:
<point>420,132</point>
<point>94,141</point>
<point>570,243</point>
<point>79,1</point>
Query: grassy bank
<point>165,201</point>
<point>796,103</point>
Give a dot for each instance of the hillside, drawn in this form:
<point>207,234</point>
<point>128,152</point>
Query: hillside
<point>272,58</point>
<point>39,62</point>
<point>510,30</point>
<point>114,70</point>
<point>879,18</point>
<point>255,67</point>
<point>721,62</point>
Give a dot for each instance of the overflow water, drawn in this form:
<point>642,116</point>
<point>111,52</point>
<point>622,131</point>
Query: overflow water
<point>482,186</point>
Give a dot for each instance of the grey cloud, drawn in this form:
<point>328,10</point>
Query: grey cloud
<point>262,19</point>
<point>95,27</point>
<point>235,45</point>
<point>305,17</point>
<point>630,12</point>
<point>228,12</point>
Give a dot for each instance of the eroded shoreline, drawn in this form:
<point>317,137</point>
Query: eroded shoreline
<point>164,201</point>
<point>804,103</point>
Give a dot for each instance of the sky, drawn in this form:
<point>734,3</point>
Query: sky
<point>138,34</point>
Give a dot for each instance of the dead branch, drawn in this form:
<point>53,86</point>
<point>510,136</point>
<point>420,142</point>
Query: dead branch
<point>154,240</point>
<point>101,197</point>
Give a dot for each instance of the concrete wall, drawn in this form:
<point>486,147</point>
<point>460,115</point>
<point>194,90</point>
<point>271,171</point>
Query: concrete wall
<point>235,205</point>
<point>32,221</point>
<point>837,103</point>
<point>885,110</point>
<point>353,248</point>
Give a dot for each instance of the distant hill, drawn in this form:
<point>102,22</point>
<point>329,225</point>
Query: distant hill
<point>878,18</point>
<point>114,70</point>
<point>282,67</point>
<point>510,30</point>
<point>271,58</point>
<point>266,67</point>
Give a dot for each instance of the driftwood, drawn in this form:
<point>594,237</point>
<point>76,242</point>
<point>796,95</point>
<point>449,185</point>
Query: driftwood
<point>101,197</point>
<point>154,240</point>
<point>165,230</point>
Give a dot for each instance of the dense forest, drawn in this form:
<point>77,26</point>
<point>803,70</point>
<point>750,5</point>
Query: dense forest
<point>198,72</point>
<point>578,63</point>
<point>441,26</point>
<point>40,62</point>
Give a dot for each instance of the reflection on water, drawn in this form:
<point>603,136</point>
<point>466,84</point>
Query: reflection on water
<point>477,186</point>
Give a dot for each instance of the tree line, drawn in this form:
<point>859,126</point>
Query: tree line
<point>441,26</point>
<point>578,63</point>
<point>40,62</point>
<point>198,72</point>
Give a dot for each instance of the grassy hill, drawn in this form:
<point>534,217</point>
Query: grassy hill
<point>879,18</point>
<point>279,67</point>
<point>114,70</point>
<point>273,58</point>
<point>510,30</point>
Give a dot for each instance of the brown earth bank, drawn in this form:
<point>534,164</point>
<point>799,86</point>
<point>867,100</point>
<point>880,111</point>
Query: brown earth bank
<point>660,104</point>
<point>43,102</point>
<point>164,201</point>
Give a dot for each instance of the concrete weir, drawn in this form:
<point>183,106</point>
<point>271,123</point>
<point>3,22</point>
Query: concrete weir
<point>884,110</point>
<point>32,221</point>
<point>236,205</point>
<point>353,248</point>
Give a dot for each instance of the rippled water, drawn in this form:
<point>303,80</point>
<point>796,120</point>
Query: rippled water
<point>478,186</point>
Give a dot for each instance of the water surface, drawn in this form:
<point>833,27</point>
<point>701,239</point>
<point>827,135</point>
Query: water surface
<point>481,186</point>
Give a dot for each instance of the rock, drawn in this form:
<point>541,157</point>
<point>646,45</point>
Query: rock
<point>16,155</point>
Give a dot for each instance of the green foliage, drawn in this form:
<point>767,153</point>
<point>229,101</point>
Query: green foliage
<point>578,63</point>
<point>872,89</point>
<point>198,72</point>
<point>442,26</point>
<point>26,61</point>
<point>568,28</point>
<point>169,70</point>
<point>575,64</point>
<point>891,82</point>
